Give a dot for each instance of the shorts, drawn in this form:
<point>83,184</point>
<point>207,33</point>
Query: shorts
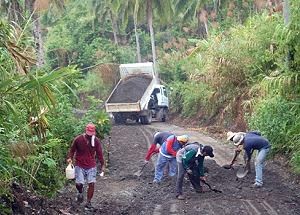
<point>82,175</point>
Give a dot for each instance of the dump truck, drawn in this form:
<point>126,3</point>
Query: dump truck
<point>138,95</point>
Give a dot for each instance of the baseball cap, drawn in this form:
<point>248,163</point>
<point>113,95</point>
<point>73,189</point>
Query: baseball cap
<point>90,129</point>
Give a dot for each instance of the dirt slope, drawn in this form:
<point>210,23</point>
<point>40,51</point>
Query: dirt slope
<point>121,192</point>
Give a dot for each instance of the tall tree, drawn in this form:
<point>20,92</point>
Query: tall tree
<point>132,8</point>
<point>135,21</point>
<point>34,9</point>
<point>194,10</point>
<point>164,10</point>
<point>107,9</point>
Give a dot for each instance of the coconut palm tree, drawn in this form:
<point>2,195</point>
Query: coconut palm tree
<point>163,9</point>
<point>110,9</point>
<point>195,10</point>
<point>132,8</point>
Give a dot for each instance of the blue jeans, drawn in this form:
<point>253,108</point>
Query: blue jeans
<point>259,165</point>
<point>161,163</point>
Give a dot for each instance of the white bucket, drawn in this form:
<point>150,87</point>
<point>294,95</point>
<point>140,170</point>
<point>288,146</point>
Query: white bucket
<point>70,171</point>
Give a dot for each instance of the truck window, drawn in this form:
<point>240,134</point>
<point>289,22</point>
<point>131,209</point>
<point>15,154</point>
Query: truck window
<point>155,91</point>
<point>164,91</point>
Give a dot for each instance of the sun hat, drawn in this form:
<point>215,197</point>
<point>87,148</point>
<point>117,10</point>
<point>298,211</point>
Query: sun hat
<point>230,135</point>
<point>183,138</point>
<point>238,138</point>
<point>90,129</point>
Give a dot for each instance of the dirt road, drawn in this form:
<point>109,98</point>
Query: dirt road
<point>121,192</point>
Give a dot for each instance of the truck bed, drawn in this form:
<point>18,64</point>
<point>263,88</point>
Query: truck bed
<point>130,89</point>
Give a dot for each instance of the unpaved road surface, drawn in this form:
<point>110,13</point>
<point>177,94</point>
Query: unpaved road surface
<point>121,192</point>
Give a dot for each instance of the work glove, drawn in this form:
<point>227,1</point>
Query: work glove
<point>146,161</point>
<point>189,171</point>
<point>203,178</point>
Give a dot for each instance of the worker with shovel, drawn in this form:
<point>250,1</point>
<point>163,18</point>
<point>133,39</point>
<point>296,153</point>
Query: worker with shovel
<point>251,141</point>
<point>158,140</point>
<point>85,147</point>
<point>192,162</point>
<point>167,155</point>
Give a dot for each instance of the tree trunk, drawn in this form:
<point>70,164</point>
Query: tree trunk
<point>138,49</point>
<point>202,23</point>
<point>114,27</point>
<point>150,25</point>
<point>37,35</point>
<point>286,12</point>
<point>286,16</point>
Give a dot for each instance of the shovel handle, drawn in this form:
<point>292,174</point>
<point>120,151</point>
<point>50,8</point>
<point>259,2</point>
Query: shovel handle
<point>209,186</point>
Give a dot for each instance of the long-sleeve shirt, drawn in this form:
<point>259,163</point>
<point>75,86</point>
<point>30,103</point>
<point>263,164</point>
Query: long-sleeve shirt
<point>85,153</point>
<point>254,141</point>
<point>196,164</point>
<point>170,147</point>
<point>185,149</point>
<point>159,138</point>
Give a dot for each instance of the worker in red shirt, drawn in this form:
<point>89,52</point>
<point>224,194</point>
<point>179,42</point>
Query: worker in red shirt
<point>158,140</point>
<point>85,147</point>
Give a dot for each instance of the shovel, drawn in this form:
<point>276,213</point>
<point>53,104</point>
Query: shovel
<point>209,186</point>
<point>242,172</point>
<point>139,173</point>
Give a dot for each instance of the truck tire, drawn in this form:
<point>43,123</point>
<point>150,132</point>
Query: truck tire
<point>146,120</point>
<point>142,120</point>
<point>162,115</point>
<point>119,119</point>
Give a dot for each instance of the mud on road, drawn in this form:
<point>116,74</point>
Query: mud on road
<point>121,192</point>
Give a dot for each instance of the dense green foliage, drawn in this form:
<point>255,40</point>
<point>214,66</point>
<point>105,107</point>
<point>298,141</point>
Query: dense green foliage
<point>233,64</point>
<point>37,122</point>
<point>67,44</point>
<point>248,70</point>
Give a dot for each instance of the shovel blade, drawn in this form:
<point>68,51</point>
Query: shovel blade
<point>139,173</point>
<point>227,166</point>
<point>242,172</point>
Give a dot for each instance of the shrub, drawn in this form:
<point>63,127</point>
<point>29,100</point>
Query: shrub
<point>278,119</point>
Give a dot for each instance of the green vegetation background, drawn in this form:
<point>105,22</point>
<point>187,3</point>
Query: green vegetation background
<point>233,65</point>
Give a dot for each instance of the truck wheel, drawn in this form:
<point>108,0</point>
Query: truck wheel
<point>142,119</point>
<point>148,118</point>
<point>164,115</point>
<point>119,119</point>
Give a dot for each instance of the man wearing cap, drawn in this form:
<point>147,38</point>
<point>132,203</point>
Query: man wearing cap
<point>251,141</point>
<point>159,139</point>
<point>167,155</point>
<point>86,147</point>
<point>193,164</point>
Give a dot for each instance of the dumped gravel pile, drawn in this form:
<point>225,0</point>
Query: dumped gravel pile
<point>131,89</point>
